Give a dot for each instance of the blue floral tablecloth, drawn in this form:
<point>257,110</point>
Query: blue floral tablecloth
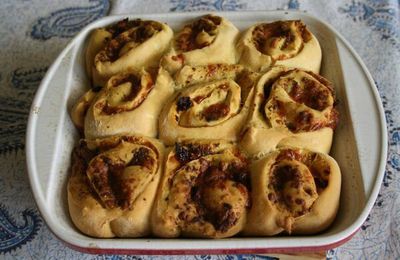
<point>34,32</point>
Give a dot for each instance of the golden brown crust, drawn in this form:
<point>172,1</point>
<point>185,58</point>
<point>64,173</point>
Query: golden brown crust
<point>286,43</point>
<point>113,184</point>
<point>292,107</point>
<point>207,40</point>
<point>199,34</point>
<point>97,41</point>
<point>204,191</point>
<point>190,92</point>
<point>293,190</point>
<point>127,44</point>
<point>78,111</point>
<point>130,103</point>
<point>212,103</point>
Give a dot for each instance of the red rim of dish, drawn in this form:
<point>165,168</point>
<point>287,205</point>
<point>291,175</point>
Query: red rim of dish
<point>114,251</point>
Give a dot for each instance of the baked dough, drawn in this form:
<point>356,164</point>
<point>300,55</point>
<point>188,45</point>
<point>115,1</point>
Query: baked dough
<point>292,107</point>
<point>293,190</point>
<point>212,103</point>
<point>204,191</point>
<point>78,111</point>
<point>113,184</point>
<point>127,44</point>
<point>286,43</point>
<point>248,122</point>
<point>210,39</point>
<point>130,103</point>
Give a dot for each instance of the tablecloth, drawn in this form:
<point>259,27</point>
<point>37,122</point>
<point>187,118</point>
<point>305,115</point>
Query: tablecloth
<point>33,33</point>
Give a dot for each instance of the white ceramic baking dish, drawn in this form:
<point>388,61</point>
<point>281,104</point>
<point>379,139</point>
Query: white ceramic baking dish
<point>360,145</point>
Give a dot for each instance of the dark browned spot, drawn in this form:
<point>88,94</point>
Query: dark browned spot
<point>313,94</point>
<point>214,177</point>
<point>320,183</point>
<point>271,197</point>
<point>183,103</point>
<point>142,157</point>
<point>182,215</point>
<point>144,31</point>
<point>188,152</point>
<point>216,111</point>
<point>279,29</point>
<point>186,41</point>
<point>309,191</point>
<point>96,88</point>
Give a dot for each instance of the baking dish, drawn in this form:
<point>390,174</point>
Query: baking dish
<point>360,144</point>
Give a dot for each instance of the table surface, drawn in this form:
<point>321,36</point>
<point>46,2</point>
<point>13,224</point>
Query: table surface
<point>33,34</point>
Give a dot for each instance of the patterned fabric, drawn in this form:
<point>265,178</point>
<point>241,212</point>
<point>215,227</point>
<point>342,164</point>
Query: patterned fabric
<point>33,34</point>
<point>68,21</point>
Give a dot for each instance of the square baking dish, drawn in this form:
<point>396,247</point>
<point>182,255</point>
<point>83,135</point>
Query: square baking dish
<point>359,145</point>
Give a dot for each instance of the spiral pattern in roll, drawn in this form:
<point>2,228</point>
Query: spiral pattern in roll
<point>207,40</point>
<point>129,103</point>
<point>204,191</point>
<point>212,102</point>
<point>113,185</point>
<point>127,44</point>
<point>248,123</point>
<point>294,190</point>
<point>292,107</point>
<point>286,43</point>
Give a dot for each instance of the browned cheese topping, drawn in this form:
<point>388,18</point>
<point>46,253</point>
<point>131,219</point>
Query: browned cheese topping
<point>189,152</point>
<point>263,33</point>
<point>119,100</point>
<point>81,155</point>
<point>123,25</point>
<point>212,182</point>
<point>104,178</point>
<point>107,179</point>
<point>315,93</point>
<point>215,190</point>
<point>125,31</point>
<point>199,34</point>
<point>210,112</point>
<point>293,187</point>
<point>310,94</point>
<point>216,111</point>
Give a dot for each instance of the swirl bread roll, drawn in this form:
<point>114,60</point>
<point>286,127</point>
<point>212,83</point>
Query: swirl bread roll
<point>130,103</point>
<point>292,107</point>
<point>78,111</point>
<point>286,43</point>
<point>210,39</point>
<point>128,44</point>
<point>113,184</point>
<point>212,103</point>
<point>293,190</point>
<point>204,191</point>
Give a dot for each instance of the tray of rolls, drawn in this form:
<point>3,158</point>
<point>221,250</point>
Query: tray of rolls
<point>154,134</point>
